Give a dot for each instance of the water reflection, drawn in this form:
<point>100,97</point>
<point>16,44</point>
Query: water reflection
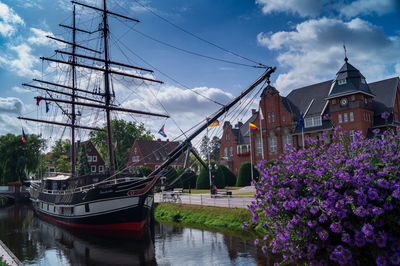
<point>37,242</point>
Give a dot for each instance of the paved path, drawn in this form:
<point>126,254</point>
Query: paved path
<point>8,256</point>
<point>205,200</point>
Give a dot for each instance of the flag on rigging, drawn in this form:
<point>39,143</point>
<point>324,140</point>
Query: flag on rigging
<point>214,124</point>
<point>38,99</point>
<point>253,127</point>
<point>162,132</point>
<point>115,145</point>
<point>47,107</point>
<point>23,136</point>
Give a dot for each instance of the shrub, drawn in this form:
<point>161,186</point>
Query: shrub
<point>244,175</point>
<point>188,178</point>
<point>230,178</point>
<point>338,203</point>
<point>142,171</point>
<point>171,176</point>
<point>203,180</point>
<point>219,178</point>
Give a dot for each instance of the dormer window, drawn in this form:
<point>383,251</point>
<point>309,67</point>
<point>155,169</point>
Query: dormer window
<point>363,81</point>
<point>313,121</point>
<point>341,81</point>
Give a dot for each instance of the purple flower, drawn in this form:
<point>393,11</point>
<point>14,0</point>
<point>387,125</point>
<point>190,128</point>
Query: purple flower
<point>396,194</point>
<point>323,234</point>
<point>314,209</point>
<point>360,211</point>
<point>381,261</point>
<point>325,117</point>
<point>381,241</point>
<point>264,249</point>
<point>336,227</point>
<point>311,223</point>
<point>372,194</point>
<point>367,229</point>
<point>245,226</point>
<point>256,242</point>
<point>346,238</point>
<point>376,131</point>
<point>322,218</point>
<point>395,258</point>
<point>385,115</point>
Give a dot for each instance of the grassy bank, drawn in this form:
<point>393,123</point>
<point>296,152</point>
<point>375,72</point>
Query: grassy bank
<point>227,220</point>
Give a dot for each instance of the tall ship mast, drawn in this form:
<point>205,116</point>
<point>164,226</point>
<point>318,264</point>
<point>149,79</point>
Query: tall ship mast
<point>110,202</point>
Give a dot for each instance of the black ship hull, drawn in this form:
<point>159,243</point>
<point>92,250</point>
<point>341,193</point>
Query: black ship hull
<point>119,208</point>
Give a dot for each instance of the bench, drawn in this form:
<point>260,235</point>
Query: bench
<point>224,192</point>
<point>178,190</point>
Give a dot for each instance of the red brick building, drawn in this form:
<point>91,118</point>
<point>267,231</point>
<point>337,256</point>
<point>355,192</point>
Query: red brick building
<point>97,164</point>
<point>348,100</point>
<point>152,153</point>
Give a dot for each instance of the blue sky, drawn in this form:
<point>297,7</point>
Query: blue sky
<point>303,39</point>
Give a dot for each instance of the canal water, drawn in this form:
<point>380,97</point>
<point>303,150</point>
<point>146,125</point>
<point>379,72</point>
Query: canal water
<point>37,242</point>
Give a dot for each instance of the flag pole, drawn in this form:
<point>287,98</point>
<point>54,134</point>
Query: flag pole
<point>261,136</point>
<point>251,155</point>
<point>209,161</point>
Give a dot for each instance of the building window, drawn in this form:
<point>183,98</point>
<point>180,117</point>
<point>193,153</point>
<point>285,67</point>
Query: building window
<point>101,168</point>
<point>273,145</point>
<point>334,101</point>
<point>269,117</point>
<point>287,142</point>
<point>273,117</point>
<point>352,135</point>
<point>283,118</point>
<point>341,81</point>
<point>313,121</point>
<point>225,152</point>
<point>231,151</point>
<point>351,117</point>
<point>93,168</point>
<point>353,98</point>
<point>134,150</point>
<point>258,146</point>
<point>94,158</point>
<point>52,169</point>
<point>345,119</point>
<point>135,159</point>
<point>363,81</point>
<point>227,137</point>
<point>89,158</point>
<point>340,118</point>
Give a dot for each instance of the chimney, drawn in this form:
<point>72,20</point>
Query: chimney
<point>253,111</point>
<point>167,140</point>
<point>158,139</point>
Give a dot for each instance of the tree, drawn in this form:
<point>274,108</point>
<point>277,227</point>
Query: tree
<point>171,176</point>
<point>188,177</point>
<point>83,162</point>
<point>125,134</point>
<point>59,155</point>
<point>142,171</point>
<point>203,180</point>
<point>210,146</point>
<point>230,178</point>
<point>244,175</point>
<point>19,159</point>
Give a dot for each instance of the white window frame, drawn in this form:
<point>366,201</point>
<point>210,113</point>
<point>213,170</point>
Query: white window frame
<point>313,121</point>
<point>273,144</point>
<point>89,158</point>
<point>135,159</point>
<point>351,115</point>
<point>340,118</point>
<point>287,142</point>
<point>226,152</point>
<point>101,168</point>
<point>227,137</point>
<point>352,135</point>
<point>345,118</point>
<point>269,117</point>
<point>342,81</point>
<point>94,158</point>
<point>258,146</point>
<point>93,167</point>
<point>283,118</point>
<point>231,151</point>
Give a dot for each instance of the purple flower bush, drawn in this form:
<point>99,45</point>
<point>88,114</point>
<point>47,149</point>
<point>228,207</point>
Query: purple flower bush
<point>335,203</point>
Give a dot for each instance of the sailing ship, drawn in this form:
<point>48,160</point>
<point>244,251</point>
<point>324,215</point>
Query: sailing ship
<point>111,202</point>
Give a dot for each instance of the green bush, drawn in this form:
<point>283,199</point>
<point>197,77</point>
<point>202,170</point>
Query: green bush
<point>203,181</point>
<point>142,171</point>
<point>188,178</point>
<point>171,176</point>
<point>219,178</point>
<point>230,178</point>
<point>244,175</point>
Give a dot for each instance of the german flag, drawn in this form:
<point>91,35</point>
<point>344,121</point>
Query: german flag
<point>214,124</point>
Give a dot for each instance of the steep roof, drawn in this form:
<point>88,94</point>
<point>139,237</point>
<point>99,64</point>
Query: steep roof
<point>385,94</point>
<point>301,98</point>
<point>348,80</point>
<point>244,130</point>
<point>156,151</point>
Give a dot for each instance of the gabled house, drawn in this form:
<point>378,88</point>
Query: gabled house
<point>152,153</point>
<point>348,101</point>
<point>96,162</point>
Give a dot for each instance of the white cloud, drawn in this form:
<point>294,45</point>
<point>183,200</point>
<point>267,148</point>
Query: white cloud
<point>304,8</point>
<point>38,37</point>
<point>20,90</point>
<point>314,8</point>
<point>9,20</point>
<point>23,63</point>
<point>365,7</point>
<point>314,50</point>
<point>141,6</point>
<point>10,105</point>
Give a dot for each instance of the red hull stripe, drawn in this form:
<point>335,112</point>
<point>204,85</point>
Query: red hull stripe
<point>131,226</point>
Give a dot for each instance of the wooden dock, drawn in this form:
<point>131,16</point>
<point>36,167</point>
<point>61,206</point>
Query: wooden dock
<point>7,256</point>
